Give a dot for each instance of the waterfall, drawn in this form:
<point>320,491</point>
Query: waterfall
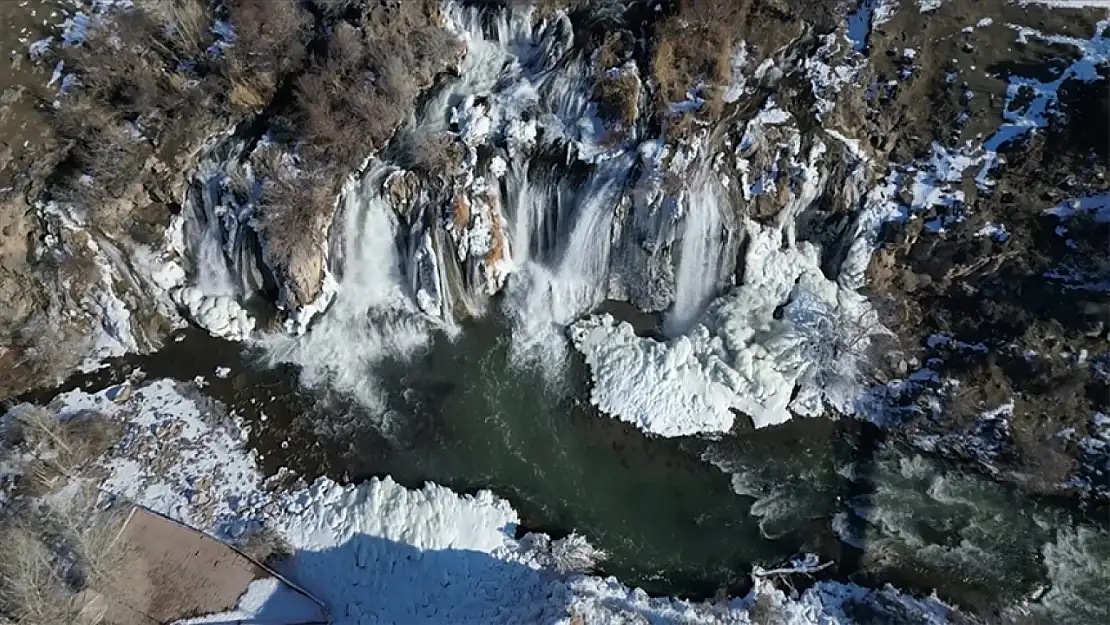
<point>699,262</point>
<point>533,208</point>
<point>222,264</point>
<point>544,298</point>
<point>373,315</point>
<point>222,261</point>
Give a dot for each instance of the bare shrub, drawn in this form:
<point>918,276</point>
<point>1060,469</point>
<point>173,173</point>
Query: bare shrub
<point>618,96</point>
<point>251,92</point>
<point>357,92</point>
<point>116,69</point>
<point>63,444</point>
<point>350,103</point>
<point>694,47</point>
<point>186,25</point>
<point>145,84</point>
<point>33,585</point>
<point>271,38</point>
<point>51,559</point>
<point>292,213</point>
<point>435,153</point>
<point>40,351</point>
<point>40,478</point>
<point>93,542</point>
<point>612,51</point>
<point>106,152</point>
<point>128,67</point>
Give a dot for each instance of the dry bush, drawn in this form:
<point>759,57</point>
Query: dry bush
<point>350,102</point>
<point>694,46</point>
<point>63,444</point>
<point>117,69</point>
<point>271,39</point>
<point>360,88</point>
<point>102,146</point>
<point>186,25</point>
<point>145,85</point>
<point>612,51</point>
<point>33,585</point>
<point>40,478</point>
<point>435,153</point>
<point>51,559</point>
<point>291,214</point>
<point>130,68</point>
<point>618,97</point>
<point>131,100</point>
<point>39,351</point>
<point>251,92</point>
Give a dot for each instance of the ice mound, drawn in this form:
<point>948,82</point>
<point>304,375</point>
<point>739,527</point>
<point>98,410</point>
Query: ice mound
<point>381,553</point>
<point>220,315</point>
<point>662,388</point>
<point>785,341</point>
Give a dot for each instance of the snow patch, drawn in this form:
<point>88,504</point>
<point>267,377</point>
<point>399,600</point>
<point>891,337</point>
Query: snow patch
<point>176,457</point>
<point>859,24</point>
<point>829,70</point>
<point>994,231</point>
<point>1029,101</point>
<point>1097,207</point>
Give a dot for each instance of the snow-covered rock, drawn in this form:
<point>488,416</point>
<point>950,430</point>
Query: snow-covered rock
<point>220,315</point>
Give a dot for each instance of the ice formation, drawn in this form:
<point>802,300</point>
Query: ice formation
<point>740,356</point>
<point>220,315</point>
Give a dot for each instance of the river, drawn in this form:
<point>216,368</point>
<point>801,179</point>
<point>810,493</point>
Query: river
<point>676,516</point>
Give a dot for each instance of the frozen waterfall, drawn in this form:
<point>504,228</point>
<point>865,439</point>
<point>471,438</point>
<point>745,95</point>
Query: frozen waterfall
<point>699,278</point>
<point>546,214</point>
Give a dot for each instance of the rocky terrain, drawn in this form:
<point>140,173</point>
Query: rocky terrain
<point>896,211</point>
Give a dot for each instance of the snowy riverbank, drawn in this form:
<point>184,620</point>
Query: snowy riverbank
<point>378,552</point>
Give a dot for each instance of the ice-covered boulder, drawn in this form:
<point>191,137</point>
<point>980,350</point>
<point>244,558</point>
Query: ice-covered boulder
<point>220,315</point>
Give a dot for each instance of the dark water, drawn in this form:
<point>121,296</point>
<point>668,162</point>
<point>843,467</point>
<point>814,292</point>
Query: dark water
<point>666,510</point>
